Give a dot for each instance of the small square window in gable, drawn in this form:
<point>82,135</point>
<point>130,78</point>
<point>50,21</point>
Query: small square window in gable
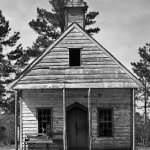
<point>74,57</point>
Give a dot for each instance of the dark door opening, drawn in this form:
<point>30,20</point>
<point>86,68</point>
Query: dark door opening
<point>77,127</point>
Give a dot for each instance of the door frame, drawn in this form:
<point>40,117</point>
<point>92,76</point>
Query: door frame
<point>76,104</point>
<point>82,107</point>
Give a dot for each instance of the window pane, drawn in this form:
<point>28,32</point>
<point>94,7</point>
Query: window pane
<point>44,121</point>
<point>105,122</point>
<point>48,128</point>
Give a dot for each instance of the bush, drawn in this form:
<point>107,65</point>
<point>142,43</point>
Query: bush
<point>7,129</point>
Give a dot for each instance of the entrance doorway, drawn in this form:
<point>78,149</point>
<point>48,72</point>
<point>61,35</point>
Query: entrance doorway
<point>77,127</point>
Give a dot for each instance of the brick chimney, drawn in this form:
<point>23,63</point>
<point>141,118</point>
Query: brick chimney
<point>75,12</point>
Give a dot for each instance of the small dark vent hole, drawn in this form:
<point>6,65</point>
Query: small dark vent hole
<point>74,57</point>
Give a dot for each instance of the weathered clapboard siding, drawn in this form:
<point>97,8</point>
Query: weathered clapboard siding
<point>95,67</point>
<point>118,99</point>
<point>33,99</point>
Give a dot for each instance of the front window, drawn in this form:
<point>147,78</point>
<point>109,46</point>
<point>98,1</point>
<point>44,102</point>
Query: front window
<point>105,122</point>
<point>44,121</point>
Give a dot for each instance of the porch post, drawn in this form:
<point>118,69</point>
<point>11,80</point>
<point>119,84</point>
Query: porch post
<point>133,118</point>
<point>64,118</point>
<point>16,120</point>
<point>89,118</point>
<point>20,98</point>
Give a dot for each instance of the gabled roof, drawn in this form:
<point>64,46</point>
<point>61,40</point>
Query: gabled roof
<point>136,83</point>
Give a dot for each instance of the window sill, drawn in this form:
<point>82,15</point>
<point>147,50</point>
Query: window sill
<point>105,137</point>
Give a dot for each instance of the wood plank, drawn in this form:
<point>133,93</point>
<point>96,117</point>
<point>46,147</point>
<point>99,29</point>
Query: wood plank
<point>80,41</point>
<point>59,49</point>
<point>97,59</point>
<point>84,57</point>
<point>96,56</point>
<point>101,77</point>
<point>64,119</point>
<point>133,119</point>
<point>29,121</point>
<point>101,65</point>
<point>21,116</point>
<point>47,60</point>
<point>25,126</point>
<point>16,119</point>
<point>77,85</point>
<point>90,118</point>
<point>80,45</point>
<point>29,118</point>
<point>86,65</point>
<point>57,53</point>
<point>68,37</point>
<point>89,71</point>
<point>73,81</point>
<point>46,72</point>
<point>49,65</point>
<point>57,57</point>
<point>91,48</point>
<point>93,52</point>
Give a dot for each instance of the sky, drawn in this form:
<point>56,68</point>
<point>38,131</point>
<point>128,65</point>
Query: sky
<point>124,24</point>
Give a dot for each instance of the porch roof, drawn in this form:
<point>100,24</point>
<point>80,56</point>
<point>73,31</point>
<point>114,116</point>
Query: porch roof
<point>72,85</point>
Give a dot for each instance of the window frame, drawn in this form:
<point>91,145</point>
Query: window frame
<point>51,118</point>
<point>98,122</point>
<point>78,49</point>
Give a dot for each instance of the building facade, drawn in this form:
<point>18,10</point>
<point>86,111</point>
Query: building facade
<point>76,93</point>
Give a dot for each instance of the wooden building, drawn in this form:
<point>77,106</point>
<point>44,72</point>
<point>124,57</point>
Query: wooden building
<point>77,92</point>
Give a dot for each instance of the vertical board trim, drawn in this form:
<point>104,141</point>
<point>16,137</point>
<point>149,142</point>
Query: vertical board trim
<point>16,120</point>
<point>21,123</point>
<point>90,119</point>
<point>64,117</point>
<point>133,117</point>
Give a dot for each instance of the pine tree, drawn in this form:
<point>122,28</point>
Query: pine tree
<point>50,24</point>
<point>142,70</point>
<point>6,68</point>
<point>21,59</point>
